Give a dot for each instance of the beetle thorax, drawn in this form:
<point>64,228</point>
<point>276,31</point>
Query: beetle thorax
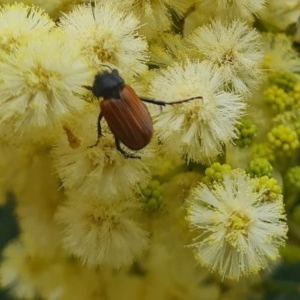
<point>107,84</point>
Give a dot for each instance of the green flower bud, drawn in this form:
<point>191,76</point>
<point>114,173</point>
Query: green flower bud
<point>246,132</point>
<point>272,189</point>
<point>215,172</point>
<point>152,195</point>
<point>262,150</point>
<point>283,140</point>
<point>277,99</point>
<point>284,80</point>
<point>259,167</point>
<point>292,179</point>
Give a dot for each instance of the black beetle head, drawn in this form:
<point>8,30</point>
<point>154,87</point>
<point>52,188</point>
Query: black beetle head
<point>107,84</point>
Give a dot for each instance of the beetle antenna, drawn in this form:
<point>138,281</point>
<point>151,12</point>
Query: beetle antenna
<point>184,100</point>
<point>107,66</point>
<point>163,103</point>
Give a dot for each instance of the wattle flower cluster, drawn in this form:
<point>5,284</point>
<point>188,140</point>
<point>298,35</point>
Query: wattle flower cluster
<point>207,202</point>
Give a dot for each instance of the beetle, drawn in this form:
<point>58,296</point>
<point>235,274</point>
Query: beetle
<point>124,111</point>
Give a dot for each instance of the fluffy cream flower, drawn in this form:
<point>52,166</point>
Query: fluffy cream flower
<point>96,171</point>
<point>240,231</point>
<point>242,9</point>
<point>280,54</point>
<point>104,34</point>
<point>167,48</point>
<point>235,50</point>
<point>19,24</point>
<point>102,232</point>
<point>40,84</point>
<point>24,270</point>
<point>280,14</point>
<point>199,128</point>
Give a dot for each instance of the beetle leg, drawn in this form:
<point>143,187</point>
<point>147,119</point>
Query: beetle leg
<point>163,103</point>
<point>126,154</point>
<point>90,88</point>
<point>99,130</point>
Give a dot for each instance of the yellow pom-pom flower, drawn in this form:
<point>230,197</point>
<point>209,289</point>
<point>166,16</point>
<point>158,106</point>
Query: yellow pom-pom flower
<point>40,84</point>
<point>234,49</point>
<point>97,171</point>
<point>105,34</point>
<point>199,128</point>
<point>239,231</point>
<point>20,24</point>
<point>101,232</point>
<point>242,9</point>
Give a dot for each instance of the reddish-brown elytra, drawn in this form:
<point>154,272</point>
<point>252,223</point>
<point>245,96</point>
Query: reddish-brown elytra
<point>126,115</point>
